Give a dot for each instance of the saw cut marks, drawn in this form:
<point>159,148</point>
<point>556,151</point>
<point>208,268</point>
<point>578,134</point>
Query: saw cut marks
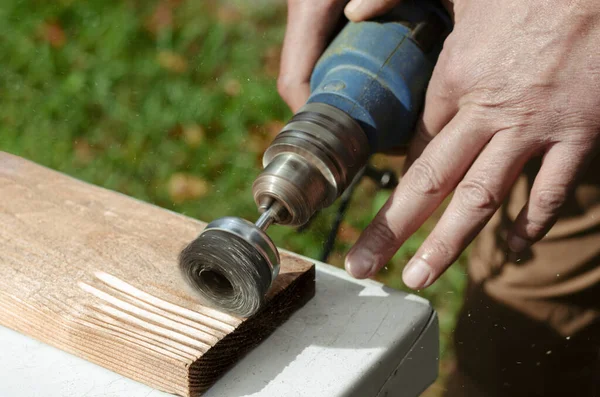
<point>95,273</point>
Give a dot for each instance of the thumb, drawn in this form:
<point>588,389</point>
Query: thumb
<point>360,10</point>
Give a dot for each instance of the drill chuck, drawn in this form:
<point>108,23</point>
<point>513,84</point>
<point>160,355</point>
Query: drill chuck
<point>310,163</point>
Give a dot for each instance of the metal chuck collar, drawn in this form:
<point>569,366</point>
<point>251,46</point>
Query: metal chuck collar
<point>311,162</point>
<point>232,264</point>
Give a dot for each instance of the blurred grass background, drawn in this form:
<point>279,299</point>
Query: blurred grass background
<point>172,102</point>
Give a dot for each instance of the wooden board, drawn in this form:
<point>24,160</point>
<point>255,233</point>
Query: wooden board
<point>94,273</point>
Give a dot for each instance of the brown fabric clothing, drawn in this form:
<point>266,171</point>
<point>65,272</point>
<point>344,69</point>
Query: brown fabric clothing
<point>530,324</point>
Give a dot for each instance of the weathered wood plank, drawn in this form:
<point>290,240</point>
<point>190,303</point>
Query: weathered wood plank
<point>94,273</point>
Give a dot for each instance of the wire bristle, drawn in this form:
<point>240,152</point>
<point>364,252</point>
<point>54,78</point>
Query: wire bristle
<point>228,273</point>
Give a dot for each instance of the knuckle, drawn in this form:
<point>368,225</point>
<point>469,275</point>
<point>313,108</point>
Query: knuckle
<point>576,133</point>
<point>549,200</point>
<point>450,65</point>
<point>382,231</point>
<point>475,194</point>
<point>532,229</point>
<point>423,179</point>
<point>438,247</point>
<point>453,75</point>
<point>477,118</point>
<point>284,86</point>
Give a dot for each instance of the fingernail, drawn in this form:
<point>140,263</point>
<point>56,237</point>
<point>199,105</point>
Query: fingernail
<point>416,273</point>
<point>360,263</point>
<point>352,7</point>
<point>517,244</point>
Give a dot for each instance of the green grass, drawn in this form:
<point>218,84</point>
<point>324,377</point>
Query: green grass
<point>171,102</point>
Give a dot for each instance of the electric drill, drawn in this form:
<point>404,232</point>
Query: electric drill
<point>367,90</point>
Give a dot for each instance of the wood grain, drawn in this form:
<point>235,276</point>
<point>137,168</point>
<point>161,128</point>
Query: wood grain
<point>94,273</point>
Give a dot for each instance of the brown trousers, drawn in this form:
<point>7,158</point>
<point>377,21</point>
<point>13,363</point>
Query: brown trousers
<point>530,324</point>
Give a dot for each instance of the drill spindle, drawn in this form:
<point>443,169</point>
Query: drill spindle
<point>272,214</point>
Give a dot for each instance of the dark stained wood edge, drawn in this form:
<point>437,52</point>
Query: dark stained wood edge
<point>214,363</point>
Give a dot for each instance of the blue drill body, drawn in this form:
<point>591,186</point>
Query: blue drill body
<point>377,71</point>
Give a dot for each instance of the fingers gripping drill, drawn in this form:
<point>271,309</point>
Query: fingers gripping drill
<point>367,92</point>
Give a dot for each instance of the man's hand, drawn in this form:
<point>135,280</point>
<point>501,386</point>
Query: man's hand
<point>516,79</point>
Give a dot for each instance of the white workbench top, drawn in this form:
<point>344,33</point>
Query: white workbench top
<point>351,339</point>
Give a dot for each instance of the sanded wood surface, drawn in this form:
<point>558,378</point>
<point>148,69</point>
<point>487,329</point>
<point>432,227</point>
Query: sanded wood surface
<point>94,273</point>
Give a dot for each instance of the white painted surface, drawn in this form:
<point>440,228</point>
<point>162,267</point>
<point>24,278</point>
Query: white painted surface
<point>347,341</point>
